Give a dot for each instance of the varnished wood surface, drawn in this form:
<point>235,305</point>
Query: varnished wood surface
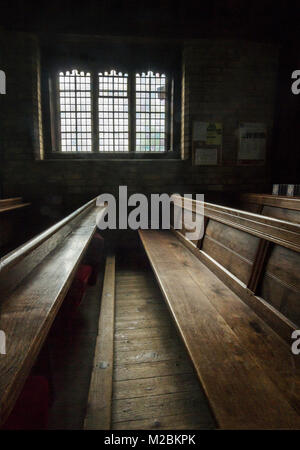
<point>10,201</point>
<point>98,415</point>
<point>279,201</point>
<point>154,385</point>
<point>277,206</point>
<point>272,316</point>
<point>280,232</point>
<point>230,247</point>
<point>6,208</point>
<point>248,372</point>
<point>29,307</point>
<point>16,265</point>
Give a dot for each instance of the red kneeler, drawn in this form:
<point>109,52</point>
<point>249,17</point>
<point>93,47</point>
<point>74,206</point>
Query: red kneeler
<point>79,285</point>
<point>31,409</point>
<point>95,257</point>
<point>76,292</point>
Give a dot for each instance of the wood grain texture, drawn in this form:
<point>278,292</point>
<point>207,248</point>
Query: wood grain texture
<point>211,317</point>
<point>16,265</point>
<point>232,248</point>
<point>29,309</point>
<point>258,265</point>
<point>277,206</point>
<point>272,316</point>
<point>281,282</point>
<point>281,213</point>
<point>280,232</point>
<point>279,201</point>
<point>98,415</point>
<point>13,207</point>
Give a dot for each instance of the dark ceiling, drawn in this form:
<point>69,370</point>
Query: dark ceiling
<point>267,20</point>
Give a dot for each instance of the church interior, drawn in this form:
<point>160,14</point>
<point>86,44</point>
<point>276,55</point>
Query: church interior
<point>149,215</point>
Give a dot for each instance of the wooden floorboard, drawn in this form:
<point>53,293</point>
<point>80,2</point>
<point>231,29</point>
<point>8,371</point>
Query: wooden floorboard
<point>177,422</point>
<point>145,333</point>
<point>159,322</point>
<point>146,387</point>
<point>158,406</point>
<point>98,416</point>
<point>152,369</point>
<point>154,384</point>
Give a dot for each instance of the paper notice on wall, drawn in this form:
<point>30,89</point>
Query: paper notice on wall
<point>208,133</point>
<point>199,131</point>
<point>252,141</point>
<point>290,190</point>
<point>206,156</point>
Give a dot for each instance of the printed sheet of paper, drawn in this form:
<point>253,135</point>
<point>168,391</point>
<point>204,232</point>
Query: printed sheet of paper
<point>252,141</point>
<point>208,133</point>
<point>200,131</point>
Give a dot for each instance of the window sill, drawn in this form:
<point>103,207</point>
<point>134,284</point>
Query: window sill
<point>112,156</point>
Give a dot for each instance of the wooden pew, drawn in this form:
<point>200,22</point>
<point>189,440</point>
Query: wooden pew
<point>34,280</point>
<point>234,296</point>
<point>9,204</point>
<point>277,206</point>
<point>11,220</point>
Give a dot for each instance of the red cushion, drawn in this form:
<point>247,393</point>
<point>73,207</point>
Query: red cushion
<point>77,290</point>
<point>31,409</point>
<point>83,273</point>
<point>94,253</point>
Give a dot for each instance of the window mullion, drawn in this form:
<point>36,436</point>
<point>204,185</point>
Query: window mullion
<point>168,114</point>
<point>95,112</point>
<point>132,112</point>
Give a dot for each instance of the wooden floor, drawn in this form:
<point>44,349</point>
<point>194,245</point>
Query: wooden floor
<point>154,385</point>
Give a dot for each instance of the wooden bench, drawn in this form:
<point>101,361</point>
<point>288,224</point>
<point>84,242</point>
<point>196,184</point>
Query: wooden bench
<point>9,204</point>
<point>278,206</point>
<point>11,221</point>
<point>234,296</point>
<point>34,280</point>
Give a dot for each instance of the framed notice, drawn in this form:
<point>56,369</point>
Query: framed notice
<point>252,143</point>
<point>206,156</point>
<point>207,143</point>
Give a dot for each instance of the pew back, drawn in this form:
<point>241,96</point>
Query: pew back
<point>257,256</point>
<point>277,206</point>
<point>12,221</point>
